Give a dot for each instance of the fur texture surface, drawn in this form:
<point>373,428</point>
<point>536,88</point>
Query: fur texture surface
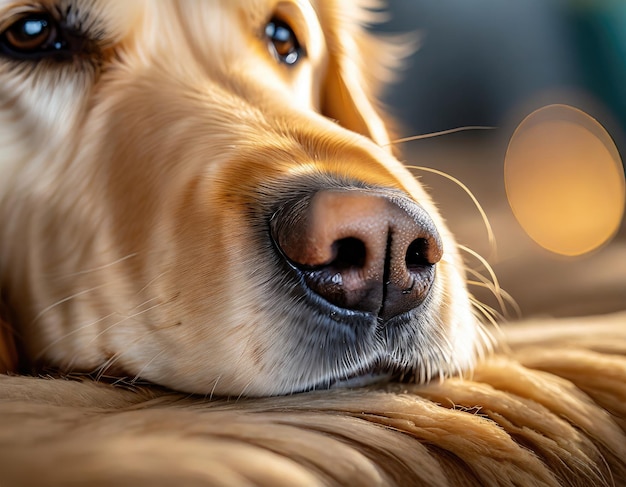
<point>550,412</point>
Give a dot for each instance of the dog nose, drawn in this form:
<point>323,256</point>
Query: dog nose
<point>361,250</point>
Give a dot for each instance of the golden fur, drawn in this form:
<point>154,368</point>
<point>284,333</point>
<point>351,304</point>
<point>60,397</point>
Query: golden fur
<point>133,181</point>
<point>130,175</point>
<point>558,418</point>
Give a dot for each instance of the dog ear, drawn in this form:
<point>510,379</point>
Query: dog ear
<point>360,64</point>
<point>8,347</point>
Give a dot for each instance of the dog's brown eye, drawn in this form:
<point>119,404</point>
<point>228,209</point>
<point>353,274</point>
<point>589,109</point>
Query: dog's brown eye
<point>39,35</point>
<point>283,42</point>
<point>30,33</point>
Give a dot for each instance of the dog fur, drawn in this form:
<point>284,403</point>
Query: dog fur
<point>549,413</point>
<point>137,179</point>
<point>137,176</point>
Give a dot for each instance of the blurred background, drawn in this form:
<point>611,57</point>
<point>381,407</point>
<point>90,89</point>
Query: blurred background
<point>492,63</point>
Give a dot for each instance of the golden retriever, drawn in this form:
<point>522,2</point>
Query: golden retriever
<point>203,195</point>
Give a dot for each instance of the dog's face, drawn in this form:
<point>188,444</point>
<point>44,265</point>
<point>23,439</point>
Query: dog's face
<point>201,194</point>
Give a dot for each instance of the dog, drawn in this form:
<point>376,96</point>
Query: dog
<point>203,195</point>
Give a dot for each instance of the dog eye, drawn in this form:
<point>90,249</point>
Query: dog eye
<point>283,42</point>
<point>38,35</point>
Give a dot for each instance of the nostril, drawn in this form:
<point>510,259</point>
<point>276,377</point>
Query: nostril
<point>417,255</point>
<point>349,253</point>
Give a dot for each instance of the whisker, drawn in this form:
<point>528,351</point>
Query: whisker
<point>117,323</point>
<point>485,283</point>
<point>66,335</point>
<point>94,322</point>
<point>482,281</point>
<point>486,312</point>
<point>102,267</point>
<point>129,317</point>
<point>214,387</point>
<point>490,235</point>
<point>486,319</point>
<point>497,288</point>
<point>64,300</point>
<point>488,339</point>
<point>152,281</point>
<point>431,135</point>
<point>243,391</point>
<point>125,319</point>
<point>101,370</point>
<point>138,375</point>
<point>506,297</point>
<point>147,301</point>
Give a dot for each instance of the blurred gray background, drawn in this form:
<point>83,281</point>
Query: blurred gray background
<point>491,62</point>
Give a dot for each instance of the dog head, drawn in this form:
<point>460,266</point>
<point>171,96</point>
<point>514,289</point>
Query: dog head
<point>201,194</point>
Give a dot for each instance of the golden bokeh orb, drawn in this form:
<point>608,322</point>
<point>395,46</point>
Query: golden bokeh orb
<point>564,180</point>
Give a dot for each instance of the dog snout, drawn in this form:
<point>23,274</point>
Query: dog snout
<point>361,250</point>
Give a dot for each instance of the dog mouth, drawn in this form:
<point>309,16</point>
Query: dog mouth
<point>347,348</point>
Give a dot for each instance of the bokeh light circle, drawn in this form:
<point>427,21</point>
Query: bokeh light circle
<point>564,180</point>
